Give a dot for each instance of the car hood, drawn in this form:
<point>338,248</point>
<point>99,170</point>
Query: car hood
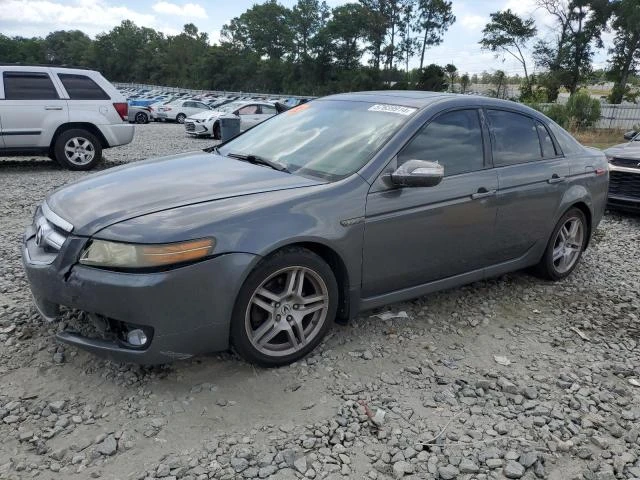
<point>625,150</point>
<point>206,114</point>
<point>150,186</point>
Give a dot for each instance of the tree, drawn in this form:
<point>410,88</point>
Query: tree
<point>307,19</point>
<point>452,72</point>
<point>507,33</point>
<point>465,81</point>
<point>626,50</point>
<point>434,19</point>
<point>344,30</point>
<point>71,47</point>
<point>264,29</point>
<point>378,21</point>
<point>433,78</point>
<point>567,59</point>
<point>499,80</point>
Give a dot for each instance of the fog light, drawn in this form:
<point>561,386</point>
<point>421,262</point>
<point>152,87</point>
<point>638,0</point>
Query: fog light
<point>136,337</point>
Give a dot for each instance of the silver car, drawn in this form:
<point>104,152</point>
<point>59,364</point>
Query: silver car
<point>624,166</point>
<point>337,206</point>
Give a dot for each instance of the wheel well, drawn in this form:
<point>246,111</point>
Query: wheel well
<point>339,269</point>
<point>587,213</point>
<point>85,126</point>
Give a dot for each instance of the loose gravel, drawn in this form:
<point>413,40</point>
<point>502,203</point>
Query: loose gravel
<point>513,377</point>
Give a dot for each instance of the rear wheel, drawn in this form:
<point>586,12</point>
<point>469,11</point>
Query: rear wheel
<point>78,149</point>
<point>141,117</point>
<point>566,245</point>
<point>284,308</point>
<point>180,117</point>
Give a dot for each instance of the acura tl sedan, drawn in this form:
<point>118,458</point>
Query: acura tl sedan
<point>340,205</point>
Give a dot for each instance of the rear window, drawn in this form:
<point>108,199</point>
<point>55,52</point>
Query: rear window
<point>567,143</point>
<point>81,87</point>
<point>28,86</point>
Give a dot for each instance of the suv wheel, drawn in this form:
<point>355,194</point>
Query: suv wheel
<point>565,246</point>
<point>180,117</point>
<point>284,308</point>
<point>78,150</point>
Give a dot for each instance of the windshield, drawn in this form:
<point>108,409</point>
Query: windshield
<point>229,107</point>
<point>327,138</point>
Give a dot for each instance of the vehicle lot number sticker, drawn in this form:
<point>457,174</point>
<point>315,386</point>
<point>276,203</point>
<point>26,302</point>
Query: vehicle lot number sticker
<point>392,109</point>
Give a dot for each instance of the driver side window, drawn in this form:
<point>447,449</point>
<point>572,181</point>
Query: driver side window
<point>248,110</point>
<point>454,140</point>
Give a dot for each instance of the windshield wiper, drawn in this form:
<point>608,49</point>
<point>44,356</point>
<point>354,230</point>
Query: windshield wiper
<point>259,161</point>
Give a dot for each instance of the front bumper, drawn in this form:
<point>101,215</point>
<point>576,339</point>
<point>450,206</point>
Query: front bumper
<point>189,308</point>
<point>197,129</point>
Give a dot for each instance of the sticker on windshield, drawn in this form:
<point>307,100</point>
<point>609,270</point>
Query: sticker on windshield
<point>392,109</point>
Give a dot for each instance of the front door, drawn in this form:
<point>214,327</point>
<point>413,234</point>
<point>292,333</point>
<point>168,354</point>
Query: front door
<point>31,109</point>
<point>249,116</point>
<point>415,235</point>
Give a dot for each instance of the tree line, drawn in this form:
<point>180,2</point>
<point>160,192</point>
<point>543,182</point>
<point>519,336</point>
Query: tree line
<point>312,49</point>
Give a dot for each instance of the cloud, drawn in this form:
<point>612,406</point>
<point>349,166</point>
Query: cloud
<point>191,10</point>
<point>90,16</point>
<point>473,22</point>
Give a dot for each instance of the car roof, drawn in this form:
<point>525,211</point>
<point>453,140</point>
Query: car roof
<point>420,99</point>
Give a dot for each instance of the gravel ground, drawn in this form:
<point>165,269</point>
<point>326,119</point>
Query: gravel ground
<point>513,377</point>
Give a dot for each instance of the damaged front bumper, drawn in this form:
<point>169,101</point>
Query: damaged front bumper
<point>185,311</point>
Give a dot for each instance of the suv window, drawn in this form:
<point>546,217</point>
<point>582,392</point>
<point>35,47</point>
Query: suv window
<point>548,147</point>
<point>515,138</point>
<point>28,86</point>
<point>453,139</point>
<point>81,87</point>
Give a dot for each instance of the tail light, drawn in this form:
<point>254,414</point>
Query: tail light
<point>122,109</point>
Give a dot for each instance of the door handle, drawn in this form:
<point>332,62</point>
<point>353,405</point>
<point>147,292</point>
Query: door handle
<point>483,193</point>
<point>51,107</point>
<point>555,178</point>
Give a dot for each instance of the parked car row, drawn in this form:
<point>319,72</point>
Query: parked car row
<point>161,105</point>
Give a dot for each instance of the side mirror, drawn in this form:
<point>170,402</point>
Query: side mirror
<point>418,173</point>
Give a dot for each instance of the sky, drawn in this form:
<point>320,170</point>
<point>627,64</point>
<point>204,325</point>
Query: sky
<point>460,46</point>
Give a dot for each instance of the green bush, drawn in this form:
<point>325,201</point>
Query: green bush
<point>583,111</point>
<point>559,114</point>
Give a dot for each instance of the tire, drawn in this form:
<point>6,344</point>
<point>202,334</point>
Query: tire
<point>78,149</point>
<point>180,117</point>
<point>141,117</point>
<point>216,131</point>
<point>565,246</point>
<point>269,326</point>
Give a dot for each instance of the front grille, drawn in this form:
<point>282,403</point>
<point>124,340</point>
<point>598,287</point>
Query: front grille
<point>624,183</point>
<point>190,127</point>
<point>626,162</point>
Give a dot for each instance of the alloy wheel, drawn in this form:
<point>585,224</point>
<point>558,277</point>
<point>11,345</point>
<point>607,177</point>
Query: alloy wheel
<point>79,151</point>
<point>567,245</point>
<point>287,311</point>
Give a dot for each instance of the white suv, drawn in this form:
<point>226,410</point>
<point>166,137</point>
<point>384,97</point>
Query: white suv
<point>68,114</point>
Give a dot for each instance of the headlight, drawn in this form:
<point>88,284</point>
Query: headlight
<point>102,253</point>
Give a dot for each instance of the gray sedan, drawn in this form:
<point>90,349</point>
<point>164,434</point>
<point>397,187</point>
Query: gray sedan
<point>624,166</point>
<point>339,205</point>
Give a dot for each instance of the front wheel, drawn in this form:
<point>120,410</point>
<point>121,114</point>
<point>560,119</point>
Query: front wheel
<point>566,245</point>
<point>180,117</point>
<point>284,308</point>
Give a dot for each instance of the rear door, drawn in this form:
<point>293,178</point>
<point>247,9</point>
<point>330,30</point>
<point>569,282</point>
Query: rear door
<point>532,177</point>
<point>32,109</point>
